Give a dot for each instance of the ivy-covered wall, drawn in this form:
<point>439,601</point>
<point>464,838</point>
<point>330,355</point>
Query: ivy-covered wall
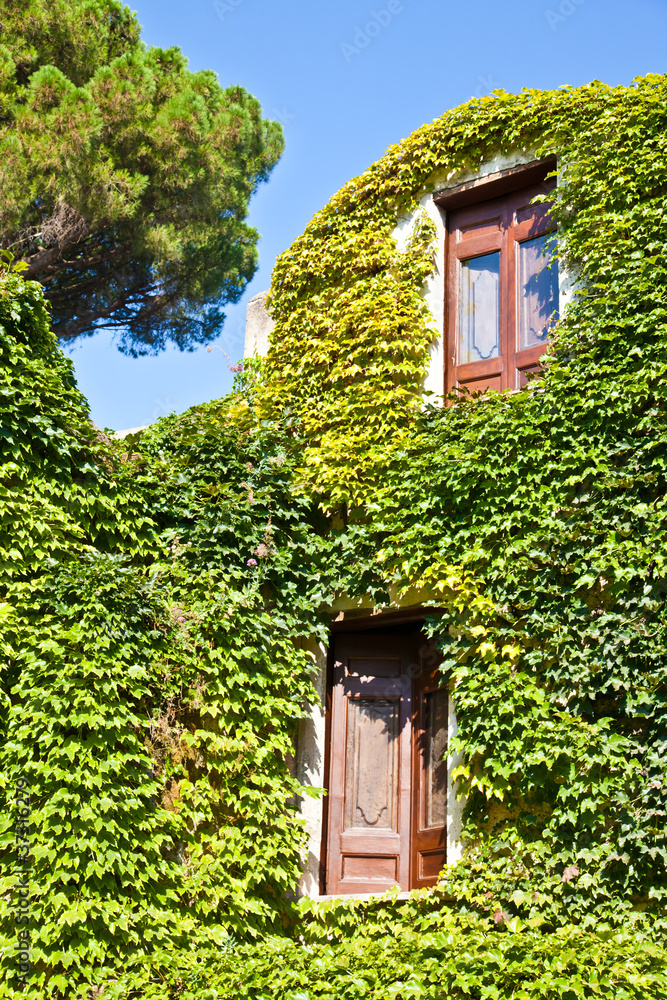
<point>158,594</point>
<point>151,674</point>
<point>536,518</point>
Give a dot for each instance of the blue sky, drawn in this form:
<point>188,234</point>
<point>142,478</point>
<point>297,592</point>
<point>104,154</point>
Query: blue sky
<point>348,78</point>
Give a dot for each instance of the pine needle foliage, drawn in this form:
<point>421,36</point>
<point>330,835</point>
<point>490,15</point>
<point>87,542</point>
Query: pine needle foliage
<point>125,178</point>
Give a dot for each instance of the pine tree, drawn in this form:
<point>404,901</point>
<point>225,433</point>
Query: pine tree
<point>124,177</point>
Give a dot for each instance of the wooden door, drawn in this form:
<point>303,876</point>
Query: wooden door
<point>370,765</point>
<point>428,853</point>
<point>387,807</point>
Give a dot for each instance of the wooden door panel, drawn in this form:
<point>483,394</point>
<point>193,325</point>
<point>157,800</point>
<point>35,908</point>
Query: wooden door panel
<point>531,220</point>
<point>368,844</point>
<point>381,841</point>
<point>430,865</point>
<point>530,356</point>
<point>527,375</point>
<point>372,761</point>
<point>488,383</point>
<point>429,823</point>
<point>370,667</point>
<point>480,369</point>
<point>362,868</point>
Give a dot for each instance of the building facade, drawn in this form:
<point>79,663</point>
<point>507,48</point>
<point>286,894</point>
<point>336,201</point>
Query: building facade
<point>378,742</point>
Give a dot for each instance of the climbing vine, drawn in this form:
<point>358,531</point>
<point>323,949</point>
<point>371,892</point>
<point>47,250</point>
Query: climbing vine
<point>160,596</point>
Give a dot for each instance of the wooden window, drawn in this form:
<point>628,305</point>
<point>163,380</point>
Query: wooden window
<point>502,282</point>
<point>387,802</point>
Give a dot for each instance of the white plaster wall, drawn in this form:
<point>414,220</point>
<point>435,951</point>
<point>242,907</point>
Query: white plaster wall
<point>309,771</point>
<point>129,430</point>
<point>435,286</point>
<point>258,327</point>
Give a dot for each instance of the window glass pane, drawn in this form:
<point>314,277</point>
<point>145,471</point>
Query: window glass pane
<point>480,308</point>
<point>436,759</point>
<point>371,776</point>
<point>538,290</point>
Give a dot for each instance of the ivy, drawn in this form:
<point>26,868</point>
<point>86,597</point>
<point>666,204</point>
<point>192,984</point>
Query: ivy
<point>151,683</point>
<point>160,597</point>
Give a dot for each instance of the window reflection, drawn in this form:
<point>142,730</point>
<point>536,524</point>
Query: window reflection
<point>480,308</point>
<point>436,759</point>
<point>538,290</point>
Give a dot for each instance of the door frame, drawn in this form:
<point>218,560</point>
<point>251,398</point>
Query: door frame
<point>366,622</point>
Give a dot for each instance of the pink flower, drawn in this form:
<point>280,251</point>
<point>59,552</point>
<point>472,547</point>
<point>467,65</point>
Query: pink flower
<point>251,562</point>
<point>181,618</point>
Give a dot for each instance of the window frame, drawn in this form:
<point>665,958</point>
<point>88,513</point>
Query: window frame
<point>501,195</point>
